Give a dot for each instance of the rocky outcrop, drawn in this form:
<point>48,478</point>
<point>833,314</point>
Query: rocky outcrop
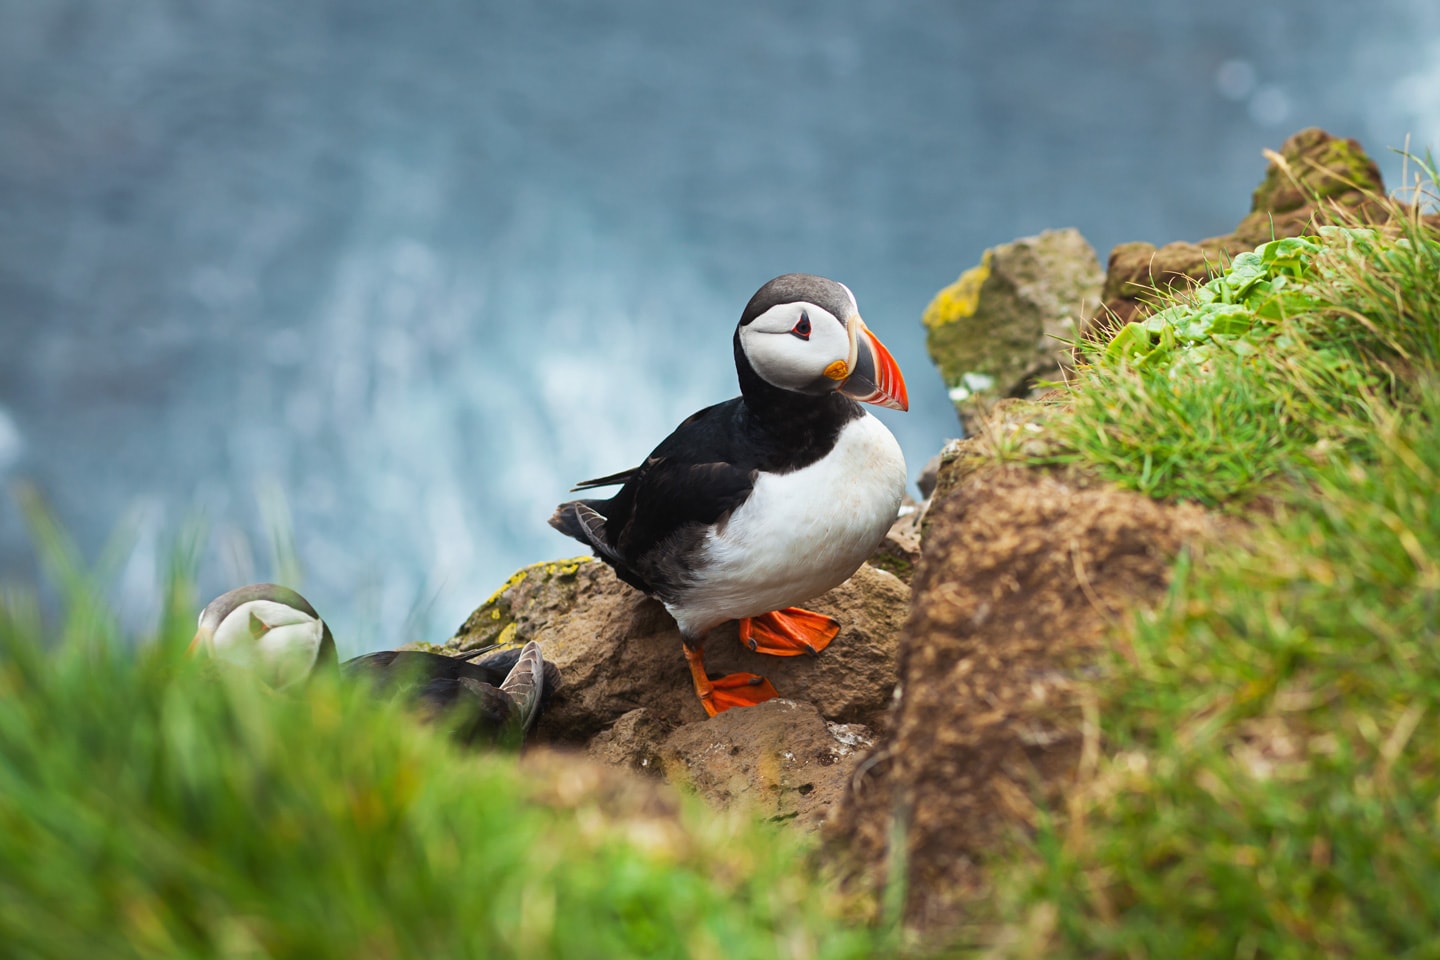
<point>782,759</point>
<point>1008,323</point>
<point>1024,572</point>
<point>619,650</point>
<point>626,696</point>
<point>1312,169</point>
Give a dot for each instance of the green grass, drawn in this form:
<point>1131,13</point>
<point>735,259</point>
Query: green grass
<point>1271,781</point>
<point>1275,772</point>
<point>150,806</point>
<point>1263,373</point>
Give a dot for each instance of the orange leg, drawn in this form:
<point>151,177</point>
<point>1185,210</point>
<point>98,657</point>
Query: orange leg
<point>789,632</point>
<point>732,690</point>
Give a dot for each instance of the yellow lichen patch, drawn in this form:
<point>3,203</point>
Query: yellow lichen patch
<point>566,568</point>
<point>506,637</point>
<point>494,620</point>
<point>515,578</point>
<point>961,298</point>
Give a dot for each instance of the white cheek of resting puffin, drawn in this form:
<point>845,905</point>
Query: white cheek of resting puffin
<point>275,633</point>
<point>267,629</point>
<point>765,501</point>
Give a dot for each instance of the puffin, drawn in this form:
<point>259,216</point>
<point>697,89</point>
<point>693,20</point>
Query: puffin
<point>275,632</point>
<point>765,501</point>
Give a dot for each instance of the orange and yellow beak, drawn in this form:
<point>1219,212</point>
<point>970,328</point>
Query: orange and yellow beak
<point>871,374</point>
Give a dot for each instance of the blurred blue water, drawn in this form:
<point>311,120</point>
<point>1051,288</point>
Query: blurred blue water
<point>409,270</point>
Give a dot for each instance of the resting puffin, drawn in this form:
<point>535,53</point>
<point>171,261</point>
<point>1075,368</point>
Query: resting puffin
<point>276,632</point>
<point>767,500</point>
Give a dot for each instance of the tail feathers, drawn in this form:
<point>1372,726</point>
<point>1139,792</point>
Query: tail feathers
<point>613,480</point>
<point>566,519</point>
<point>580,520</point>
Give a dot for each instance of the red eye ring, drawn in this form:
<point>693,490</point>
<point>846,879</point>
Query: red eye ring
<point>802,326</point>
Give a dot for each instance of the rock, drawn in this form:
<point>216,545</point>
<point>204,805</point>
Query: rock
<point>1311,169</point>
<point>619,651</point>
<point>632,741</point>
<point>1022,573</point>
<point>626,696</point>
<point>607,797</point>
<point>781,759</point>
<point>929,476</point>
<point>1009,322</point>
<point>900,550</point>
<point>539,592</point>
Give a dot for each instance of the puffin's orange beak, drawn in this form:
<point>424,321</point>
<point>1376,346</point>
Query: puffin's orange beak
<point>874,375</point>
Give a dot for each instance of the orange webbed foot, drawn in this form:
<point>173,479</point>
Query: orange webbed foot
<point>789,632</point>
<point>731,690</point>
<point>737,690</point>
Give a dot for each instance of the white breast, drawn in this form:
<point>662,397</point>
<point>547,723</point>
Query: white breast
<point>799,534</point>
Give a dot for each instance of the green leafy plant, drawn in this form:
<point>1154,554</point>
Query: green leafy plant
<point>1258,289</point>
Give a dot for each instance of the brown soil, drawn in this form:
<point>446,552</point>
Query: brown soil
<point>1023,572</point>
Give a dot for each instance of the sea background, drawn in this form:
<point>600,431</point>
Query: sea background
<point>375,283</point>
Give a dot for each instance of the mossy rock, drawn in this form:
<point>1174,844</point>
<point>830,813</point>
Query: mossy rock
<point>1006,323</point>
<point>495,620</point>
<point>1314,164</point>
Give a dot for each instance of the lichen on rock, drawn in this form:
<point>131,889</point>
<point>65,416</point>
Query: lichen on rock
<point>1008,323</point>
<point>528,593</point>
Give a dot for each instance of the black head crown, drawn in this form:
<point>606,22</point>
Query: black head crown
<point>797,287</point>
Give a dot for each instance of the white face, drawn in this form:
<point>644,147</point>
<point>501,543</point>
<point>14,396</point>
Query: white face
<point>275,640</point>
<point>792,344</point>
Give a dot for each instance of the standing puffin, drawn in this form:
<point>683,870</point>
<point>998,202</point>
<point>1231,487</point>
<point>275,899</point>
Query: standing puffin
<point>275,632</point>
<point>767,500</point>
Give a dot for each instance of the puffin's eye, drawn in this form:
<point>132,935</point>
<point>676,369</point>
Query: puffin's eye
<point>802,326</point>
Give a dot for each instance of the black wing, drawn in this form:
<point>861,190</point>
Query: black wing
<point>414,666</point>
<point>499,695</point>
<point>695,478</point>
<point>418,667</point>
